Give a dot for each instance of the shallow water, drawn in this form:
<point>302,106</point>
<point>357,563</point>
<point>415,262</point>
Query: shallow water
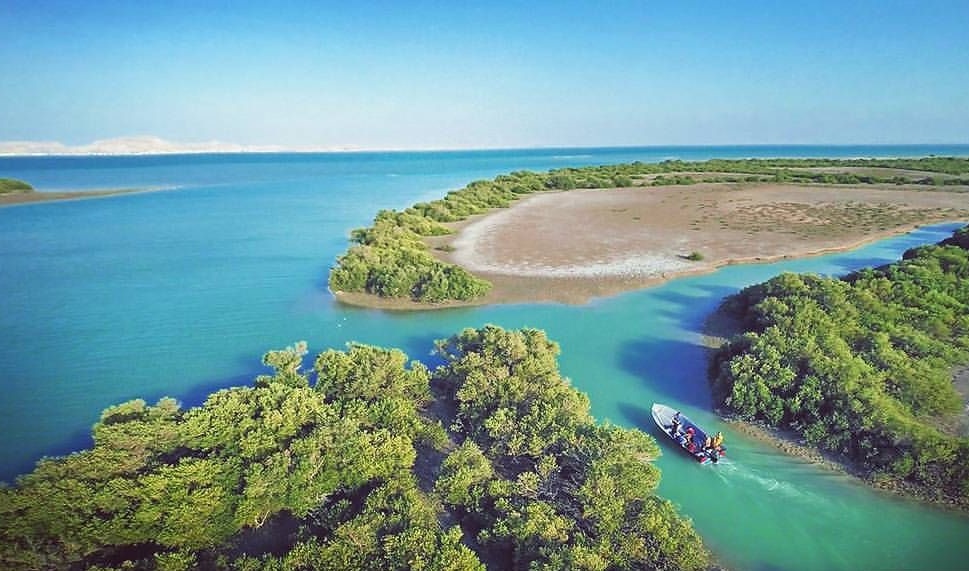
<point>180,292</point>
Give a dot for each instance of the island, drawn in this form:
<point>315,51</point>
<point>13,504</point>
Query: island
<point>571,234</point>
<point>366,462</point>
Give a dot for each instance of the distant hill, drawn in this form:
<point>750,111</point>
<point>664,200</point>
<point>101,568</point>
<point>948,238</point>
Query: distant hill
<point>142,145</point>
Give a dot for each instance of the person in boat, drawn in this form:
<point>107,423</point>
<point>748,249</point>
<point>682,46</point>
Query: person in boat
<point>717,441</point>
<point>688,439</point>
<point>708,443</point>
<point>675,424</point>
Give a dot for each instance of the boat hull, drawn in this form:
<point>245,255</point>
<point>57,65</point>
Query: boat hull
<point>663,417</point>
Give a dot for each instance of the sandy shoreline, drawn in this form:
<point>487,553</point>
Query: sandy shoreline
<point>572,246</point>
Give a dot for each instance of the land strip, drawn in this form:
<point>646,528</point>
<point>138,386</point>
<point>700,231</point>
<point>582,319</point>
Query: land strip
<point>34,197</point>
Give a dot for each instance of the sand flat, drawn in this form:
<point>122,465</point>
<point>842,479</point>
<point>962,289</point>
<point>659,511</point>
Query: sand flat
<point>570,246</point>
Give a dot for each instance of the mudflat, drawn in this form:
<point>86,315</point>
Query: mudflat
<point>574,245</point>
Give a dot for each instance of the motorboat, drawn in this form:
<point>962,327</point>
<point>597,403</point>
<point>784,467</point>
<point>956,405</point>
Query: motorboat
<point>686,434</point>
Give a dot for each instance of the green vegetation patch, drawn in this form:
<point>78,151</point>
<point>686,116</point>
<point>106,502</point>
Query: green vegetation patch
<point>390,259</point>
<point>367,462</point>
<point>861,366</point>
<point>14,186</point>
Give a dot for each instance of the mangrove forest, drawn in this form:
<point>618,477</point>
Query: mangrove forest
<point>862,366</point>
<point>367,461</point>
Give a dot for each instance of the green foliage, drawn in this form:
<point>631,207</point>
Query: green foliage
<point>395,528</point>
<point>861,366</point>
<point>332,456</point>
<point>464,475</point>
<point>560,181</point>
<point>14,186</point>
<point>694,256</point>
<point>374,384</point>
<point>368,373</point>
<point>407,272</point>
<point>544,486</point>
<point>166,486</point>
<point>664,180</point>
<point>285,364</point>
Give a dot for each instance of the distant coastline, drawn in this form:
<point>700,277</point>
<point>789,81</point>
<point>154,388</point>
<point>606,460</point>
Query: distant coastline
<point>150,145</point>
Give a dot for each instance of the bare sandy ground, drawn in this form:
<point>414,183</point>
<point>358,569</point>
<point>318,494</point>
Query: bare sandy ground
<point>571,246</point>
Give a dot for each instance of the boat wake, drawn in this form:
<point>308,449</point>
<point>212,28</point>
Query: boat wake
<point>570,157</point>
<point>731,473</point>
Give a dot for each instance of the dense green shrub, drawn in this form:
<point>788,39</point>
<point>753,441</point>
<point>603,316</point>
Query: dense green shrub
<point>14,186</point>
<point>321,471</point>
<point>541,484</point>
<point>404,272</point>
<point>862,365</point>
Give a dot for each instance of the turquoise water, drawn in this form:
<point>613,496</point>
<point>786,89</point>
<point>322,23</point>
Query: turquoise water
<point>180,292</point>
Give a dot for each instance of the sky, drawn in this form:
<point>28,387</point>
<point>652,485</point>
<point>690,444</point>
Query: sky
<point>438,75</point>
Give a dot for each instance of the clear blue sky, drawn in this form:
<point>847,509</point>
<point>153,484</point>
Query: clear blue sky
<point>415,74</point>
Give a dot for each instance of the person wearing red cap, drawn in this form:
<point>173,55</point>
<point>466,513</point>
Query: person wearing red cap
<point>690,444</point>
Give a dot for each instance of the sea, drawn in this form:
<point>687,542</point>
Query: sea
<point>179,290</point>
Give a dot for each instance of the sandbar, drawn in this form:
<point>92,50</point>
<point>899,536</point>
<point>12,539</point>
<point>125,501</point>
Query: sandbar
<point>18,198</point>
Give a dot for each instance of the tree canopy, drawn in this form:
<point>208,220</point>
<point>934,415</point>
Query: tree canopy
<point>367,461</point>
<point>862,366</point>
<point>14,186</point>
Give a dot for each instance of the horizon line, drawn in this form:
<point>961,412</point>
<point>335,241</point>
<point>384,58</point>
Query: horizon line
<point>304,151</point>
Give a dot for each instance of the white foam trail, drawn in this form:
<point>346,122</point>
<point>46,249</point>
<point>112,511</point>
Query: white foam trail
<point>732,471</point>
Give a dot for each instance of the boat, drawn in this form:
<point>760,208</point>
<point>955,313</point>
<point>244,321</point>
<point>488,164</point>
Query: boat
<point>663,415</point>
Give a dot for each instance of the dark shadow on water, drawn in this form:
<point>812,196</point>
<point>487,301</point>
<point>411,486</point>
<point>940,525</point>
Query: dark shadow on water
<point>767,567</point>
<point>639,417</point>
<point>251,368</point>
<point>77,440</point>
<point>197,395</point>
<point>848,266</point>
<point>672,368</point>
<point>692,311</point>
<point>684,301</point>
<point>421,348</point>
<point>81,439</point>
